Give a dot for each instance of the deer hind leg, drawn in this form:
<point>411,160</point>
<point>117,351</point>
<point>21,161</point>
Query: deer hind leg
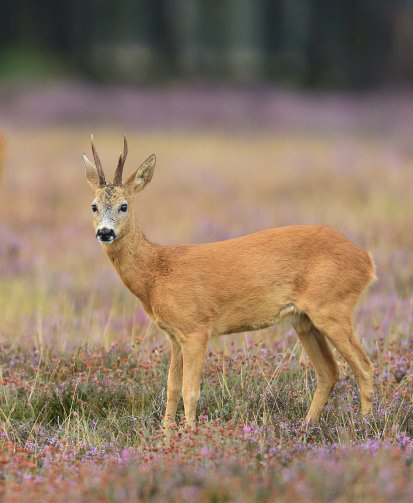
<point>341,335</point>
<point>305,362</point>
<point>322,359</point>
<point>193,350</point>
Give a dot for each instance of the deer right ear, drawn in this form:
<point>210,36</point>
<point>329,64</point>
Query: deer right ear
<point>91,173</point>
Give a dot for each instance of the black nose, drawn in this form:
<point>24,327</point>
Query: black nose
<point>105,234</point>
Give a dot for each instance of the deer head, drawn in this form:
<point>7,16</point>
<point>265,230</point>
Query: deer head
<point>111,206</point>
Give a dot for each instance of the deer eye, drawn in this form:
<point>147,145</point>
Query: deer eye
<point>123,208</point>
<point>94,208</point>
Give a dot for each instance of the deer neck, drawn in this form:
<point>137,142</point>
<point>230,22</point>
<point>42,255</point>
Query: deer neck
<point>134,257</point>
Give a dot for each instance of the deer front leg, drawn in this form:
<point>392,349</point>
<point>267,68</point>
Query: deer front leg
<point>193,351</point>
<point>174,382</point>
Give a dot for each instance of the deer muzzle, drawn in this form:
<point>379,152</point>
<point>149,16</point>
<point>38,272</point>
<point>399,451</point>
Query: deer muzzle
<point>105,235</point>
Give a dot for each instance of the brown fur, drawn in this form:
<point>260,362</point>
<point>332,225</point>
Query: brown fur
<point>309,273</point>
<point>2,155</point>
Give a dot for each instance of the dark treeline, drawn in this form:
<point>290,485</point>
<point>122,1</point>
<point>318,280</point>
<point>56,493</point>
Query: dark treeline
<point>312,43</point>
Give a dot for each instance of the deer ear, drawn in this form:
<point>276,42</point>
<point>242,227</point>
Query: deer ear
<point>91,173</point>
<point>142,176</point>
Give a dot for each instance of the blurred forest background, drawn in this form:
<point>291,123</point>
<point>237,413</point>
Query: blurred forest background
<point>262,113</point>
<point>339,44</point>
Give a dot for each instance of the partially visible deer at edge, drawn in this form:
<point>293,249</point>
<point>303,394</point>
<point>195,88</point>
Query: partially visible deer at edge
<point>2,155</point>
<point>310,274</point>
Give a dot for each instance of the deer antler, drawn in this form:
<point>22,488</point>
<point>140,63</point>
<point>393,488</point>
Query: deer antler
<point>122,158</point>
<point>98,164</point>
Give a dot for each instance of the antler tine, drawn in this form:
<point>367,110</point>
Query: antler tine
<point>98,164</point>
<point>122,158</point>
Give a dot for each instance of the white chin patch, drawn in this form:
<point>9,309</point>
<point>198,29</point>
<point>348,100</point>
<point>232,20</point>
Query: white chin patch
<point>106,241</point>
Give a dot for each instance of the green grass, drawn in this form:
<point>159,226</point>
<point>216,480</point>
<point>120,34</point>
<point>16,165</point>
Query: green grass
<point>83,370</point>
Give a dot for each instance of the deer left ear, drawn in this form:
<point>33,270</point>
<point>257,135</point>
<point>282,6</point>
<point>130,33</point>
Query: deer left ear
<point>142,176</point>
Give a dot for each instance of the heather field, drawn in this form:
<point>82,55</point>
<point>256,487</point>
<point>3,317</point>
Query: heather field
<point>83,370</point>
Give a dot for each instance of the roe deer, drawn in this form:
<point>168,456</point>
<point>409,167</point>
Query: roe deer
<point>309,273</point>
<point>2,154</point>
